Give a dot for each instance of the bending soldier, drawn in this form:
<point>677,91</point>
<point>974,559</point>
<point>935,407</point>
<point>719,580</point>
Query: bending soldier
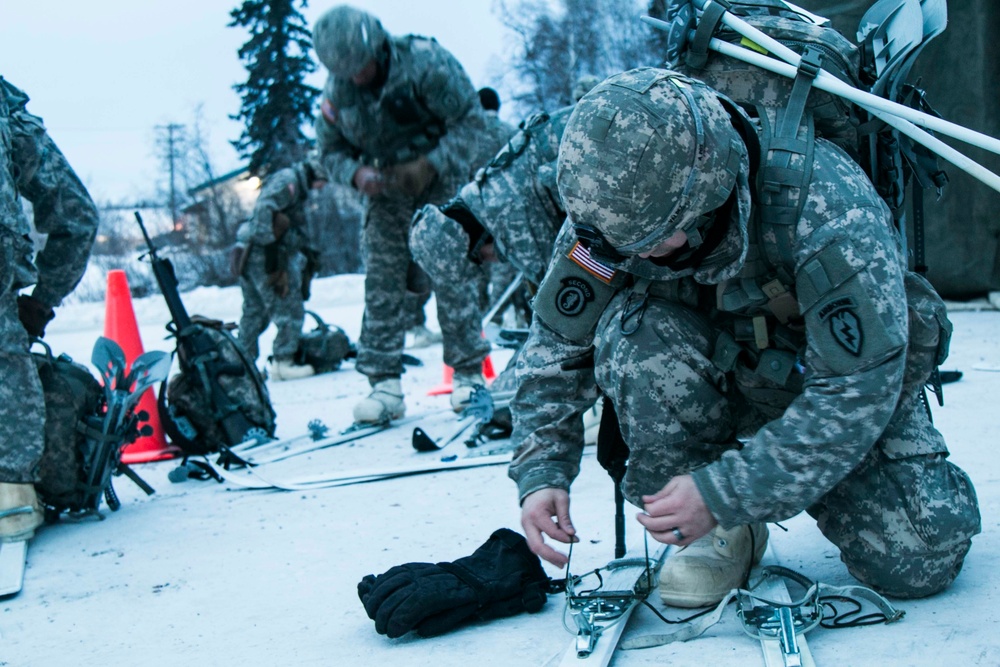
<point>765,354</point>
<point>276,266</point>
<point>399,122</point>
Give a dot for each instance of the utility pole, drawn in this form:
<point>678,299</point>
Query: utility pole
<point>172,129</point>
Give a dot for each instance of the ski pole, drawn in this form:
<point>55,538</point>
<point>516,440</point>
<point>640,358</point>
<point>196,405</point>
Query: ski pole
<point>831,84</point>
<point>908,128</point>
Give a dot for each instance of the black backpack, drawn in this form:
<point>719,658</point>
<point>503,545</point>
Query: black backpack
<point>323,348</point>
<point>218,399</point>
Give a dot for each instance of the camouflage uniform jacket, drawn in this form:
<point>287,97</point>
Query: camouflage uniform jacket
<point>33,167</point>
<point>285,191</point>
<point>843,270</point>
<point>427,106</point>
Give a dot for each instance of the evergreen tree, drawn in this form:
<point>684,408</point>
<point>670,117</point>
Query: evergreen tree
<point>276,102</point>
<point>559,41</point>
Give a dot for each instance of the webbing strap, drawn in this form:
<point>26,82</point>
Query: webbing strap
<point>697,56</point>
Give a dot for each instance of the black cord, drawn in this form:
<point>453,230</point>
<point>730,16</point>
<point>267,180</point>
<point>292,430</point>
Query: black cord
<point>838,619</point>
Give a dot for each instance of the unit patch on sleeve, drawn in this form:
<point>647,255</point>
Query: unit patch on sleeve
<point>841,315</point>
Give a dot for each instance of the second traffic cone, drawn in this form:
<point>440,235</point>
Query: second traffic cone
<point>120,326</point>
<point>449,373</point>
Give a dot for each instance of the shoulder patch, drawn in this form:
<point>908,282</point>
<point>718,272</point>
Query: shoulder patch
<point>573,296</point>
<point>581,257</point>
<point>845,325</point>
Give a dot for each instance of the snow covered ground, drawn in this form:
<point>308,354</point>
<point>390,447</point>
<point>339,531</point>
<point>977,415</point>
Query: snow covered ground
<point>205,572</point>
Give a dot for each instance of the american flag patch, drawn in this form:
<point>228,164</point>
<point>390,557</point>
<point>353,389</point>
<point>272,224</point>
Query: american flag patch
<point>581,256</point>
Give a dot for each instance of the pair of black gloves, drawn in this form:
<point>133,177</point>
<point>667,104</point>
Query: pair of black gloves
<point>502,578</point>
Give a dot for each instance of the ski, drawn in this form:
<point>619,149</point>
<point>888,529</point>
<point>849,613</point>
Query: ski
<point>280,450</point>
<point>601,613</point>
<point>253,478</point>
<point>13,558</point>
<point>781,645</point>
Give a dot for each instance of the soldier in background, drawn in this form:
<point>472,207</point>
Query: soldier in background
<point>759,366</point>
<point>399,122</point>
<point>275,264</point>
<point>31,166</point>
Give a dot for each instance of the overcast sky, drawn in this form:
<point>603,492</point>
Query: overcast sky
<point>103,74</point>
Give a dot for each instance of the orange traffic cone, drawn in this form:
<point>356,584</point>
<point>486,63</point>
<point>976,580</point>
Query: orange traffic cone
<point>449,373</point>
<point>120,326</point>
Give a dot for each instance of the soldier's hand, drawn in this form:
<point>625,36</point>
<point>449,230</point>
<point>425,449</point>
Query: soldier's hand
<point>679,506</point>
<point>34,315</point>
<point>280,224</point>
<point>368,181</point>
<point>278,281</point>
<point>546,512</point>
<point>411,178</point>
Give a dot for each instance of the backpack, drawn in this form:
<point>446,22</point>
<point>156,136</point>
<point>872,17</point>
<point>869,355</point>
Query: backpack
<point>323,348</point>
<point>87,426</point>
<point>880,64</point>
<point>216,387</point>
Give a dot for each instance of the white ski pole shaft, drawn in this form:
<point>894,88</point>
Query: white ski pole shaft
<point>903,125</point>
<point>831,84</point>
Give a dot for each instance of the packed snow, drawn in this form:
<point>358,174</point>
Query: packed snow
<point>206,573</point>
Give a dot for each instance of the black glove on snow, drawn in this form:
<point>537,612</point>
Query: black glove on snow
<point>501,578</point>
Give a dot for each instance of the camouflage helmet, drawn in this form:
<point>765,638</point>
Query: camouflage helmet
<point>647,153</point>
<point>346,39</point>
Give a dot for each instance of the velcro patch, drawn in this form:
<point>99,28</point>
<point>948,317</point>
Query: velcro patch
<point>570,300</point>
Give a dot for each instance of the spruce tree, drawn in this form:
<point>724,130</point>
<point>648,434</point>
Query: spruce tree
<point>276,102</point>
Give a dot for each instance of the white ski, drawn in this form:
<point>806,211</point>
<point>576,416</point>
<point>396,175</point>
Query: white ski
<point>602,614</point>
<point>13,558</point>
<point>279,450</point>
<point>254,478</point>
<point>787,649</point>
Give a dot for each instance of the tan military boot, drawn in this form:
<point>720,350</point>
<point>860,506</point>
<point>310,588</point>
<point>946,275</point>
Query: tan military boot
<point>700,574</point>
<point>383,404</point>
<point>462,386</point>
<point>20,512</point>
<point>286,369</point>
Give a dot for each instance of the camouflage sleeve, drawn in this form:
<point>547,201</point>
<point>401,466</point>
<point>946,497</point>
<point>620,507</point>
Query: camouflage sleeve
<point>555,386</point>
<point>448,93</point>
<point>280,192</point>
<point>851,295</point>
<point>339,156</point>
<point>62,207</point>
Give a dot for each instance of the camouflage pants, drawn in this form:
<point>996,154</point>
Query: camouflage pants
<point>418,293</point>
<point>902,519</point>
<point>22,406</point>
<point>442,250</point>
<point>261,306</point>
<point>388,310</point>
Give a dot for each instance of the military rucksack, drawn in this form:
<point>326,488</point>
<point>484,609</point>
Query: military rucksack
<point>214,385</point>
<point>323,348</point>
<point>891,36</point>
<point>87,425</point>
